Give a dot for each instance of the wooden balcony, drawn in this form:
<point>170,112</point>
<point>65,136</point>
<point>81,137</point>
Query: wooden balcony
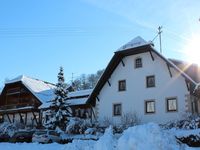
<point>16,106</point>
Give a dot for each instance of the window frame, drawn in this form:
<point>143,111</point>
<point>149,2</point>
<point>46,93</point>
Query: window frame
<point>150,101</point>
<point>147,83</point>
<point>137,65</point>
<point>119,87</point>
<point>167,104</point>
<point>114,106</point>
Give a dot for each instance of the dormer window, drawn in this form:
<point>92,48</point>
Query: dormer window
<point>138,63</point>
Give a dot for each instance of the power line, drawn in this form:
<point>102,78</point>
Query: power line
<point>23,32</point>
<point>159,34</point>
<point>154,38</point>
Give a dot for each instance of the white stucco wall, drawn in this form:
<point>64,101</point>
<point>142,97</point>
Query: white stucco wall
<point>133,99</point>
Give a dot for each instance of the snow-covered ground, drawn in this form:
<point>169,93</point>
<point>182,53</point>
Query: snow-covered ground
<point>143,137</point>
<point>76,145</point>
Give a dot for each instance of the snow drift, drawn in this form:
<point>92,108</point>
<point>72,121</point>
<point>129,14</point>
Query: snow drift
<point>149,136</point>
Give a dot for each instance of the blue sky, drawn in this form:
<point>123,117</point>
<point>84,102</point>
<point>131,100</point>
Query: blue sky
<point>38,36</point>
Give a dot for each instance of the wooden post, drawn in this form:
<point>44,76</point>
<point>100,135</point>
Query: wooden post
<point>151,55</point>
<point>8,118</point>
<point>34,117</point>
<point>13,117</point>
<point>26,119</point>
<point>169,70</point>
<point>21,118</point>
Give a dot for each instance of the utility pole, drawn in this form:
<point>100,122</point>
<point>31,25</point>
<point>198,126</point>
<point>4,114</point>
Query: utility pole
<point>159,33</point>
<point>72,78</point>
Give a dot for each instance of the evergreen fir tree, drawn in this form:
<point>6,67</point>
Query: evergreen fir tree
<point>60,109</point>
<point>61,89</point>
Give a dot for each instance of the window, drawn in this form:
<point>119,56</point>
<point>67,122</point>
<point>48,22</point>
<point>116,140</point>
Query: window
<point>150,81</point>
<point>171,104</point>
<point>150,106</point>
<point>138,62</point>
<point>117,109</point>
<point>122,85</point>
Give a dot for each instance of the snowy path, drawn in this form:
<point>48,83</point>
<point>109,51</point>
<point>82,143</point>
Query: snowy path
<point>86,145</point>
<point>78,145</point>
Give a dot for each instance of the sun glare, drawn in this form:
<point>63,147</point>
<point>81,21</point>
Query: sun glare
<point>192,49</point>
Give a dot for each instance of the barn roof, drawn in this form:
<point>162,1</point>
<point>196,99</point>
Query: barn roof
<point>44,91</point>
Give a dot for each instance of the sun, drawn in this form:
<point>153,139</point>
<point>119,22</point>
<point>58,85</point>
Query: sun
<point>192,49</point>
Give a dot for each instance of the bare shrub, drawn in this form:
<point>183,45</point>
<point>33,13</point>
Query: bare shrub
<point>107,121</point>
<point>129,119</point>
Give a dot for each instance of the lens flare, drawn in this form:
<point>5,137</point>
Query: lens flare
<point>192,49</point>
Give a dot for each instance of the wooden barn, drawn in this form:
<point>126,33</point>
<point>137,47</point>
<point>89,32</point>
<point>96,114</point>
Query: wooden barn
<point>22,98</point>
<point>23,101</point>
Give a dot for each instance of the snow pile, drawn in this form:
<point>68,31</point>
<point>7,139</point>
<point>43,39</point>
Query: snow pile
<point>107,141</point>
<point>80,145</point>
<point>146,137</point>
<point>30,146</point>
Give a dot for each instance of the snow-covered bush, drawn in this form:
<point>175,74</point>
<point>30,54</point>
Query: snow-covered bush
<point>188,122</point>
<point>191,140</point>
<point>107,121</point>
<point>77,125</point>
<point>7,128</point>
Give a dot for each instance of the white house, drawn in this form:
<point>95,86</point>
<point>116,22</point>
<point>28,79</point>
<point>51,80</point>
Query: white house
<point>140,80</point>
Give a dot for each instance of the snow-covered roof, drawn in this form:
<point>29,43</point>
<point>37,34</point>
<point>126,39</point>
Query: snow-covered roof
<point>44,91</point>
<point>78,97</point>
<point>136,42</point>
<point>77,101</point>
<point>80,93</point>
